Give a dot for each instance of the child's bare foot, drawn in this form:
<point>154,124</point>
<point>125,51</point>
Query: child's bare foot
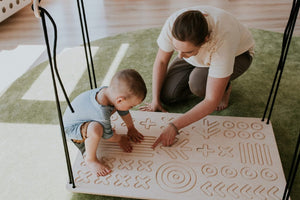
<point>225,100</point>
<point>125,143</point>
<point>98,168</point>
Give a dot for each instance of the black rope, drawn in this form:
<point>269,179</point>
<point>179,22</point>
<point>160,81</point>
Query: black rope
<point>54,68</point>
<point>293,171</point>
<point>54,60</point>
<point>287,37</point>
<point>89,45</point>
<point>86,39</point>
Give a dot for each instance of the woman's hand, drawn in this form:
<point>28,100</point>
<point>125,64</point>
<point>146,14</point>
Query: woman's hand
<point>152,107</point>
<point>167,137</point>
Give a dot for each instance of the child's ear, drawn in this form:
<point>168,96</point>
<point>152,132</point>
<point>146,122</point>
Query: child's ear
<point>120,99</point>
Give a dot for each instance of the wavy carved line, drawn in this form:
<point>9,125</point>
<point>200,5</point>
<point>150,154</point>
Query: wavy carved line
<point>236,191</point>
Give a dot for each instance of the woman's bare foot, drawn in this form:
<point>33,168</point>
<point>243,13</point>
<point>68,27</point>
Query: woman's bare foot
<point>225,100</point>
<point>98,168</point>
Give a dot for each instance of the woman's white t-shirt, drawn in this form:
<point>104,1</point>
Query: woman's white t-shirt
<point>228,39</point>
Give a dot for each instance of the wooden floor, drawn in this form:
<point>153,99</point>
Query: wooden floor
<point>110,17</point>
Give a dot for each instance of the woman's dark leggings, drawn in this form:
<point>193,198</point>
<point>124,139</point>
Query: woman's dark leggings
<point>183,79</point>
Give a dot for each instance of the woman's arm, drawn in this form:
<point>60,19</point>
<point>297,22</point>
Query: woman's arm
<point>214,92</point>
<point>215,89</point>
<point>160,67</point>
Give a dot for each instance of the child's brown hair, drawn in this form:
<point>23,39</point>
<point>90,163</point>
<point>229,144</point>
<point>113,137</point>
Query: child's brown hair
<point>130,83</point>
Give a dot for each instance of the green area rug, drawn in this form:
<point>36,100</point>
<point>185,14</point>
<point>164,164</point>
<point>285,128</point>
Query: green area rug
<point>248,98</point>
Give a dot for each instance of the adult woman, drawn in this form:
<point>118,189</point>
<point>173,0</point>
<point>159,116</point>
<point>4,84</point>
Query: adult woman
<point>213,49</point>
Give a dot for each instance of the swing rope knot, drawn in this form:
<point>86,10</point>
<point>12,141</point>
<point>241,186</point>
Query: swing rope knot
<point>35,8</point>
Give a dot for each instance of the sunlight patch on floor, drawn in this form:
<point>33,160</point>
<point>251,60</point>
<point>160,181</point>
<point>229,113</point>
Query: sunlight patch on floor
<point>32,160</point>
<point>16,62</point>
<point>115,64</point>
<point>71,64</point>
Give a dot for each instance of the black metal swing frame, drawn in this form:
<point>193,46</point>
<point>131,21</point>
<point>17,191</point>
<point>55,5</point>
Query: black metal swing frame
<point>287,37</point>
<point>41,12</point>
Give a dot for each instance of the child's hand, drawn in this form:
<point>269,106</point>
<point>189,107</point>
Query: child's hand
<point>135,135</point>
<point>125,143</point>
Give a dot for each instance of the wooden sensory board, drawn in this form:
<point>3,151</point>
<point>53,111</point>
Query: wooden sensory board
<point>214,158</point>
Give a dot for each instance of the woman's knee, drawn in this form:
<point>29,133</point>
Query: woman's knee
<point>197,81</point>
<point>168,95</point>
<point>197,90</point>
<point>175,86</point>
<point>241,65</point>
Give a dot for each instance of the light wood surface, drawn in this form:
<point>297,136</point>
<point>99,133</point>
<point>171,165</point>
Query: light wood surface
<point>216,157</point>
<point>110,17</point>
